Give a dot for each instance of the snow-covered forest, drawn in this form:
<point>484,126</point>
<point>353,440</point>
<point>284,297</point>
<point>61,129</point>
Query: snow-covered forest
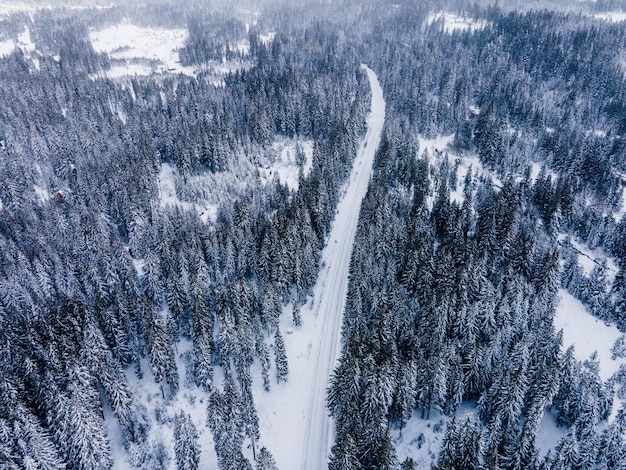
<point>345,235</point>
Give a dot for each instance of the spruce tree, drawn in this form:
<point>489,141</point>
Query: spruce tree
<point>282,367</point>
<point>186,445</point>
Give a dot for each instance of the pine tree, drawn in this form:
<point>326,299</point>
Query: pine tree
<point>186,445</point>
<point>265,461</point>
<point>297,318</point>
<point>264,357</point>
<point>282,368</point>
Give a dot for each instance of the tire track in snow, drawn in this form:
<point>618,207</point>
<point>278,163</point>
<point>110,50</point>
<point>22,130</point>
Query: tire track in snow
<point>329,310</point>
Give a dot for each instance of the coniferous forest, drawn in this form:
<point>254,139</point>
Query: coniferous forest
<point>124,309</point>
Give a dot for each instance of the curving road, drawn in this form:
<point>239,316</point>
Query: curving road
<point>332,285</point>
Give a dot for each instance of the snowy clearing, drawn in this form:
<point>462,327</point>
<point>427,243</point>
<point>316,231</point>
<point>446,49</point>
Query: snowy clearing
<point>613,16</point>
<point>618,215</point>
<point>6,47</point>
<point>421,438</point>
<point>168,196</point>
<point>283,163</point>
<point>587,333</point>
<point>452,22</point>
<point>295,412</point>
<point>136,44</point>
<point>23,42</point>
<point>8,8</point>
<point>160,414</point>
<point>440,146</point>
<point>589,259</point>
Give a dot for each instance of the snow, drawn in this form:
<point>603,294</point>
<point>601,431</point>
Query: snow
<point>535,169</point>
<point>618,216</point>
<point>136,44</point>
<point>23,42</point>
<point>587,333</point>
<point>283,164</point>
<point>168,196</point>
<point>267,38</point>
<point>440,146</point>
<point>588,259</point>
<point>421,439</point>
<point>612,16</point>
<point>6,47</point>
<point>294,423</point>
<point>8,8</point>
<point>453,22</point>
<point>42,194</point>
<point>160,414</point>
<point>549,434</point>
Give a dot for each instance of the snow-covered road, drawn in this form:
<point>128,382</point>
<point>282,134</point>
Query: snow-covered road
<point>332,286</point>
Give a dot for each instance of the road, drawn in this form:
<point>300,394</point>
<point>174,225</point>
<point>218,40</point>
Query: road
<point>332,286</point>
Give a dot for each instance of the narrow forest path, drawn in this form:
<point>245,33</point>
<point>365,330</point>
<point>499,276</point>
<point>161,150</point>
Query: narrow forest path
<point>332,286</point>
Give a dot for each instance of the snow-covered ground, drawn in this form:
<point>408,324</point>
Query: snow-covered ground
<point>618,216</point>
<point>8,8</point>
<point>6,47</point>
<point>440,146</point>
<point>294,422</point>
<point>453,22</point>
<point>614,16</point>
<point>137,44</point>
<point>160,414</point>
<point>589,259</point>
<point>421,438</point>
<point>587,333</point>
<point>23,42</point>
<point>283,162</point>
<point>168,196</point>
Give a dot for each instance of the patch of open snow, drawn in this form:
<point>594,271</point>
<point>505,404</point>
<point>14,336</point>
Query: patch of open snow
<point>6,47</point>
<point>267,38</point>
<point>453,22</point>
<point>613,16</point>
<point>588,259</point>
<point>421,439</point>
<point>535,169</point>
<point>283,163</point>
<point>1,205</point>
<point>168,196</point>
<point>438,144</point>
<point>23,42</point>
<point>134,44</point>
<point>8,8</point>
<point>441,145</point>
<point>549,434</point>
<point>618,215</point>
<point>115,434</point>
<point>42,194</point>
<point>161,412</point>
<point>587,333</point>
